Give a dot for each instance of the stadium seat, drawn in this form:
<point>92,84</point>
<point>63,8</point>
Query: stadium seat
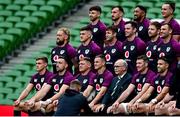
<point>38,2</point>
<point>6,13</point>
<point>23,79</point>
<point>2,31</point>
<point>84,20</point>
<point>6,25</point>
<point>13,19</point>
<point>155,11</point>
<point>146,4</point>
<point>43,16</point>
<point>5,91</point>
<point>6,79</point>
<point>59,5</point>
<point>30,8</point>
<point>13,7</point>
<point>128,4</point>
<point>1,7</point>
<point>13,85</point>
<point>2,19</point>
<point>110,4</point>
<point>22,14</point>
<point>21,2</point>
<point>5,2</point>
<point>50,10</point>
<point>13,74</point>
<point>13,96</point>
<point>6,101</point>
<point>29,74</point>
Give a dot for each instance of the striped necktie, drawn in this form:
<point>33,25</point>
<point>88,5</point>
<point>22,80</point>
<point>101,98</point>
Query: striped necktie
<point>116,85</point>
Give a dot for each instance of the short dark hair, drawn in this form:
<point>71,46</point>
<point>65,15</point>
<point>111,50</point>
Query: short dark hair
<point>171,4</point>
<point>75,84</point>
<point>101,56</point>
<point>43,58</point>
<point>133,24</point>
<point>87,28</point>
<point>112,28</point>
<point>86,59</point>
<point>170,27</point>
<point>119,7</point>
<point>142,8</point>
<point>165,59</point>
<point>96,8</point>
<point>156,24</point>
<point>143,57</point>
<point>62,57</point>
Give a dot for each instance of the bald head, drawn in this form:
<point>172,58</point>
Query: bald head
<point>120,66</point>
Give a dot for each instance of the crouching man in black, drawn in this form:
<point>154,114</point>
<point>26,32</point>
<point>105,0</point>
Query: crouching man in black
<point>72,103</point>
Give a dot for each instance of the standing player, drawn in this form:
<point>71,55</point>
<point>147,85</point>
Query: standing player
<point>53,89</point>
<point>103,80</point>
<point>133,46</point>
<point>86,77</point>
<point>167,11</point>
<point>98,28</point>
<point>169,48</point>
<point>153,44</point>
<point>142,22</point>
<point>64,49</point>
<point>112,49</point>
<point>88,48</point>
<point>36,82</point>
<point>117,13</point>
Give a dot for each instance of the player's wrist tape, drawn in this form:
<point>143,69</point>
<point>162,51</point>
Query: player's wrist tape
<point>154,101</point>
<point>139,100</point>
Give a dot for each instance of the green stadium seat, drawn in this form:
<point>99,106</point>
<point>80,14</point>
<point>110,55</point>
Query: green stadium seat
<point>1,7</point>
<point>129,15</point>
<point>13,7</point>
<point>43,16</point>
<point>13,73</point>
<point>74,33</point>
<point>21,2</point>
<point>151,16</point>
<point>155,11</point>
<point>84,20</point>
<point>29,73</point>
<point>6,102</point>
<point>6,25</point>
<point>50,10</point>
<point>13,96</point>
<point>107,21</point>
<point>2,19</point>
<point>1,96</point>
<point>6,79</point>
<point>38,2</point>
<point>5,2</point>
<point>13,19</point>
<point>23,79</point>
<point>13,85</point>
<point>59,5</point>
<point>146,4</point>
<point>22,14</point>
<point>2,31</point>
<point>128,4</point>
<point>7,37</point>
<point>6,13</point>
<point>75,44</point>
<point>30,8</point>
<point>5,91</point>
<point>159,4</point>
<point>110,4</point>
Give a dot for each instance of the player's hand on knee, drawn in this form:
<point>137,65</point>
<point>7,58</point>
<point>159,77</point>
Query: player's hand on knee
<point>99,107</point>
<point>30,103</point>
<point>110,109</point>
<point>115,105</point>
<point>55,102</point>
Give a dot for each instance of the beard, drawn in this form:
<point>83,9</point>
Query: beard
<point>60,42</point>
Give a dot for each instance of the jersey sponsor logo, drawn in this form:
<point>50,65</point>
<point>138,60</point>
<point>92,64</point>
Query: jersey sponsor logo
<point>119,29</point>
<point>168,49</point>
<point>108,57</point>
<point>85,81</point>
<point>79,51</point>
<point>161,54</point>
<point>38,86</point>
<point>139,87</point>
<point>81,56</point>
<point>113,50</point>
<point>101,80</point>
<point>42,79</point>
<point>56,87</point>
<point>61,81</point>
<point>147,48</point>
<point>53,52</point>
<point>159,49</point>
<point>55,58</point>
<point>35,80</point>
<point>98,87</point>
<point>95,30</point>
<point>105,51</point>
<point>140,28</point>
<point>148,54</point>
<point>127,54</point>
<point>86,51</point>
<point>62,52</point>
<point>132,48</point>
<point>154,47</point>
<point>159,89</point>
